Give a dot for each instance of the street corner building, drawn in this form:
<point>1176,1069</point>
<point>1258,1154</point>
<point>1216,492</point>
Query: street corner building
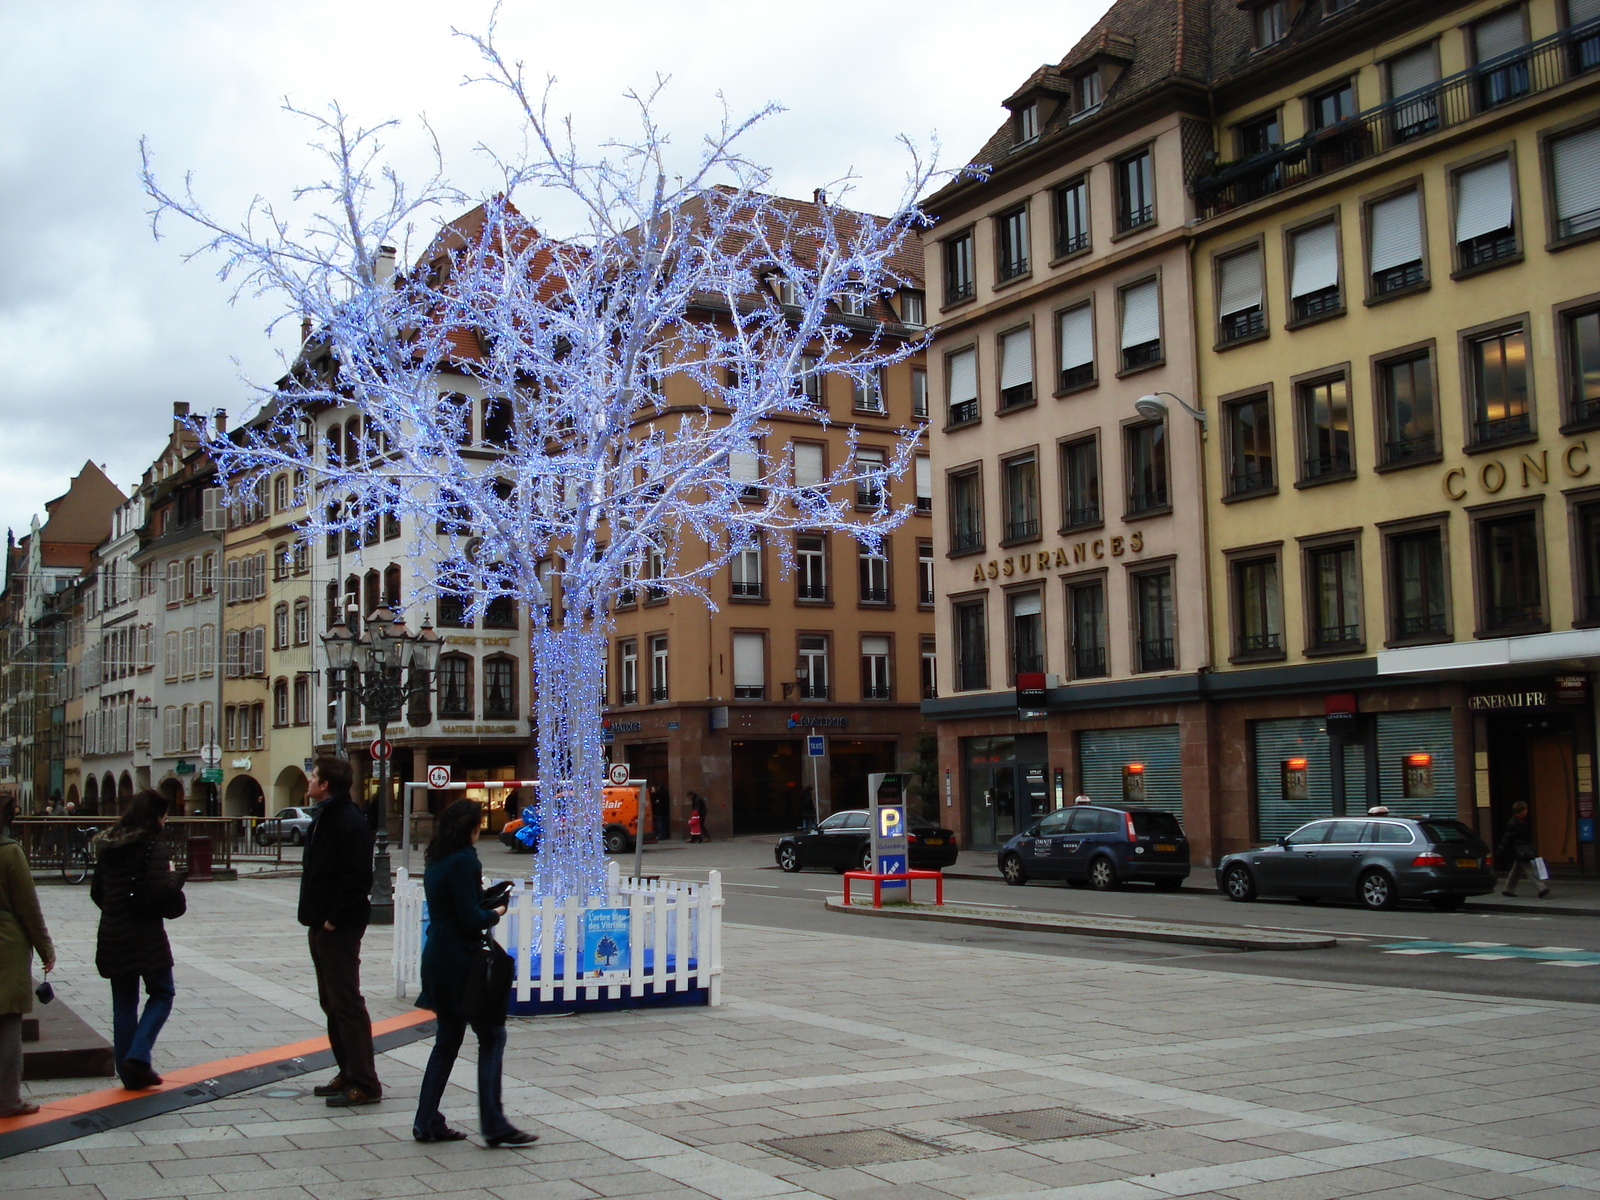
<point>1268,450</point>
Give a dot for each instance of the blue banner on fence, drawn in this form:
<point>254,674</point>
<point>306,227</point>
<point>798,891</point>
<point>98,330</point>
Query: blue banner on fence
<point>605,943</point>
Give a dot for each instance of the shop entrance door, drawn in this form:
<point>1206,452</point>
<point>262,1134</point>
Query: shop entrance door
<point>1006,788</point>
<point>1551,799</point>
<point>991,804</point>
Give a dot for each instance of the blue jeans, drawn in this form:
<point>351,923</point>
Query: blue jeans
<point>446,1045</point>
<point>134,1035</point>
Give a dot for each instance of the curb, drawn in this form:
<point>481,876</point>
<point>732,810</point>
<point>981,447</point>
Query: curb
<point>1119,928</point>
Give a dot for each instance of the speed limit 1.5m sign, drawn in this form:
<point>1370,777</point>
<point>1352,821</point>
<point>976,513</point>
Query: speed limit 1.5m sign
<point>620,773</point>
<point>438,778</point>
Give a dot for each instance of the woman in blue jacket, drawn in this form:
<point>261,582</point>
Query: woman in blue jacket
<point>457,921</point>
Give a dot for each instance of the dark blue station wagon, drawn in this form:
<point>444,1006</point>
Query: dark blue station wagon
<point>1101,845</point>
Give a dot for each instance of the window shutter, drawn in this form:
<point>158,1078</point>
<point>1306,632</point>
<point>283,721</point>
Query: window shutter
<point>1316,260</point>
<point>213,516</point>
<point>1077,337</point>
<point>1240,286</point>
<point>1483,199</point>
<point>230,666</point>
<point>744,466</point>
<point>172,655</point>
<point>1411,72</point>
<point>875,646</point>
<point>748,661</point>
<point>1500,34</point>
<point>807,464</point>
<point>1016,358</point>
<point>208,649</point>
<point>1575,161</point>
<point>143,651</point>
<point>924,469</point>
<point>1396,232</point>
<point>1026,604</point>
<point>258,651</point>
<point>963,376</point>
<point>1141,314</point>
<point>1580,11</point>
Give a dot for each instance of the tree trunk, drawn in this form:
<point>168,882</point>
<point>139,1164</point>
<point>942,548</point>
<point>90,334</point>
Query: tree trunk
<point>568,668</point>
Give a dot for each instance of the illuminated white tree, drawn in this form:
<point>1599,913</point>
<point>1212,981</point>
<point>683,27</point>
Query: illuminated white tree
<point>628,372</point>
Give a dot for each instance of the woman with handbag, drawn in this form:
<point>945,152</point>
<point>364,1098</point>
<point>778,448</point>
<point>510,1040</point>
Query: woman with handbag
<point>136,892</point>
<point>459,920</point>
<point>22,935</point>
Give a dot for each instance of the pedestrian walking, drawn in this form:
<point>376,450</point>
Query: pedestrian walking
<point>696,828</point>
<point>661,806</point>
<point>335,879</point>
<point>697,807</point>
<point>22,935</point>
<point>137,893</point>
<point>459,918</point>
<point>1517,845</point>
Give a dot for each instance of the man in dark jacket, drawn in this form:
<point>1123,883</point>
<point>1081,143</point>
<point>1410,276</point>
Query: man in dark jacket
<point>334,882</point>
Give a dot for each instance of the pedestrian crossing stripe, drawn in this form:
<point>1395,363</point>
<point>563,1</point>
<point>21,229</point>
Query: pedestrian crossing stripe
<point>1554,956</point>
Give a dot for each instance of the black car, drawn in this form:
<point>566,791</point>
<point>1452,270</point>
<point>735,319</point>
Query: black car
<point>1378,860</point>
<point>842,842</point>
<point>1102,845</point>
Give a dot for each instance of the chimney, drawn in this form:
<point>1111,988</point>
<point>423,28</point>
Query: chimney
<point>219,421</point>
<point>180,408</point>
<point>305,330</point>
<point>819,197</point>
<point>383,266</point>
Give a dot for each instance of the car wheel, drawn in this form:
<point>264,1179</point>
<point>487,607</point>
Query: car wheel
<point>616,841</point>
<point>1447,903</point>
<point>296,837</point>
<point>1168,885</point>
<point>1377,890</point>
<point>1103,876</point>
<point>1012,870</point>
<point>789,858</point>
<point>1238,883</point>
<point>866,860</point>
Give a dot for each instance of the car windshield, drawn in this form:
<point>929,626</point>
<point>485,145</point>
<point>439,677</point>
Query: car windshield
<point>1157,825</point>
<point>1446,832</point>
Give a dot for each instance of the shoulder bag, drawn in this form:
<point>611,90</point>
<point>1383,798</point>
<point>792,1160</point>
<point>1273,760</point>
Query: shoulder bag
<point>166,902</point>
<point>486,993</point>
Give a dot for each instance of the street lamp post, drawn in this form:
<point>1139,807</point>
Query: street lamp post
<point>380,669</point>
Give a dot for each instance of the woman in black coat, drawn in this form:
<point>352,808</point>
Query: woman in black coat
<point>457,922</point>
<point>135,890</point>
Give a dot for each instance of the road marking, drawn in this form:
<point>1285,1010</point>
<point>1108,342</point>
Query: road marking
<point>1563,956</point>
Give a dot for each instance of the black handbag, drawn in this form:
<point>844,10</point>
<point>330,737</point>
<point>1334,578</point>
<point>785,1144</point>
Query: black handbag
<point>486,993</point>
<point>165,900</point>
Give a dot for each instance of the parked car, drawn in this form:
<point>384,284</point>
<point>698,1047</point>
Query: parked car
<point>842,841</point>
<point>1102,845</point>
<point>1378,860</point>
<point>288,825</point>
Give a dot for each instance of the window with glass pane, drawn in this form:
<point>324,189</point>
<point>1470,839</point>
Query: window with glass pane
<point>866,392</point>
<point>971,646</point>
<point>1255,586</point>
<point>1136,192</point>
<point>930,669</point>
<point>1417,597</point>
<point>1335,597</point>
<point>922,470</point>
<point>1011,243</point>
<point>869,466</point>
<point>919,392</point>
<point>913,309</point>
<point>1016,368</point>
<point>1314,277</point>
<point>961,378</point>
<point>1575,180</point>
<point>1080,483</point>
<point>746,568</point>
<point>1325,427</point>
<point>1332,105</point>
<point>1583,363</point>
<point>966,511</point>
<point>1396,243</point>
<point>1408,408</point>
<point>1087,92</point>
<point>875,668</point>
<point>1086,603</point>
<point>628,671</point>
<point>1021,482</point>
<point>1270,22</point>
<point>1141,325</point>
<point>500,687</point>
<point>1586,520</point>
<point>1027,631</point>
<point>1499,366</point>
<point>958,268</point>
<point>1583,17</point>
<point>811,566</point>
<point>658,669</point>
<point>1239,310</point>
<point>1147,466</point>
<point>655,563</point>
<point>925,572</point>
<point>808,379</point>
<point>455,685</point>
<point>1485,214</point>
<point>1072,217</point>
<point>749,666</point>
<point>1498,44</point>
<point>1249,445</point>
<point>1508,562</point>
<point>1157,622</point>
<point>873,574</point>
<point>744,470</point>
<point>812,672</point>
<point>1075,333</point>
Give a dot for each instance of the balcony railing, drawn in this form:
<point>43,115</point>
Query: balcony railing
<point>1260,643</point>
<point>1081,375</point>
<point>1488,429</point>
<point>1536,67</point>
<point>658,694</point>
<point>813,691</point>
<point>1243,324</point>
<point>1417,447</point>
<point>1027,527</point>
<point>1157,654</point>
<point>1336,635</point>
<point>1395,278</point>
<point>1071,243</point>
<point>1512,616</point>
<point>964,411</point>
<point>1139,502</point>
<point>746,589</point>
<point>1420,624</point>
<point>1320,465</point>
<point>1252,479</point>
<point>1024,664</point>
<point>966,539</point>
<point>1088,661</point>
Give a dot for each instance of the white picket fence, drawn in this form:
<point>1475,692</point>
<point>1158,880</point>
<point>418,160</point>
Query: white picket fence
<point>680,924</point>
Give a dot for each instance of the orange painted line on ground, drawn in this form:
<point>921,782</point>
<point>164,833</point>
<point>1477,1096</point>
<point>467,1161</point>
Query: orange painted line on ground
<point>72,1106</point>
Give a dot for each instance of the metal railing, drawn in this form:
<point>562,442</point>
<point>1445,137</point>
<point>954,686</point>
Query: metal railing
<point>1088,661</point>
<point>1536,67</point>
<point>47,841</point>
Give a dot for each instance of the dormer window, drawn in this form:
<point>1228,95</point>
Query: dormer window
<point>1087,92</point>
<point>1270,22</point>
<point>913,310</point>
<point>783,288</point>
<point>851,303</point>
<point>1027,122</point>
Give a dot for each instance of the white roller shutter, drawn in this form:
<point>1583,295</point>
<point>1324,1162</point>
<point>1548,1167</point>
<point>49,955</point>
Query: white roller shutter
<point>1499,34</point>
<point>1483,199</point>
<point>749,669</point>
<point>1016,358</point>
<point>1412,71</point>
<point>924,469</point>
<point>1141,314</point>
<point>1316,260</point>
<point>807,464</point>
<point>1240,285</point>
<point>1575,162</point>
<point>1026,604</point>
<point>744,465</point>
<point>1396,232</point>
<point>1580,11</point>
<point>963,376</point>
<point>1077,337</point>
<point>875,645</point>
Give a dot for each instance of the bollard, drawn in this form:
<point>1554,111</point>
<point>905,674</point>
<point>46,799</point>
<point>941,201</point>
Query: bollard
<point>199,859</point>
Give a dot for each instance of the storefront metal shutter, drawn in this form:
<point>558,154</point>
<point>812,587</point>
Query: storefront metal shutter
<point>1295,737</point>
<point>1355,778</point>
<point>1400,734</point>
<point>1102,754</point>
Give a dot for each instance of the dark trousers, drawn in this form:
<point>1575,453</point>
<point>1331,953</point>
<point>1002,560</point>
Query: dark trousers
<point>336,955</point>
<point>491,1054</point>
<point>134,1033</point>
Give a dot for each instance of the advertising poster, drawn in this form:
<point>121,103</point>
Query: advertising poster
<point>605,943</point>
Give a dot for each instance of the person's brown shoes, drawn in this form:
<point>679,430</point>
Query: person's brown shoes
<point>353,1097</point>
<point>27,1110</point>
<point>332,1088</point>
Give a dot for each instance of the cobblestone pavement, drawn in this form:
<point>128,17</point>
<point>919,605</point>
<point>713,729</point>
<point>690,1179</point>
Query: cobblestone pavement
<point>1229,1086</point>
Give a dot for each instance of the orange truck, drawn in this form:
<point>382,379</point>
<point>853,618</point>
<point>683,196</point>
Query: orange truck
<point>619,819</point>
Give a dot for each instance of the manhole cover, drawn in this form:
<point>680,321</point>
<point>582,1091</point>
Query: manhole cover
<point>860,1148</point>
<point>283,1094</point>
<point>1046,1124</point>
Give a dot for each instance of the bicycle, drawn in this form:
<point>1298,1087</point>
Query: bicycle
<point>76,859</point>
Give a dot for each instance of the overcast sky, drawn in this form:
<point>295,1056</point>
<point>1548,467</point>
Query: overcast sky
<point>102,328</point>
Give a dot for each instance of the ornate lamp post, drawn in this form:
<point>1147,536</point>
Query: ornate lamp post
<point>380,669</point>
